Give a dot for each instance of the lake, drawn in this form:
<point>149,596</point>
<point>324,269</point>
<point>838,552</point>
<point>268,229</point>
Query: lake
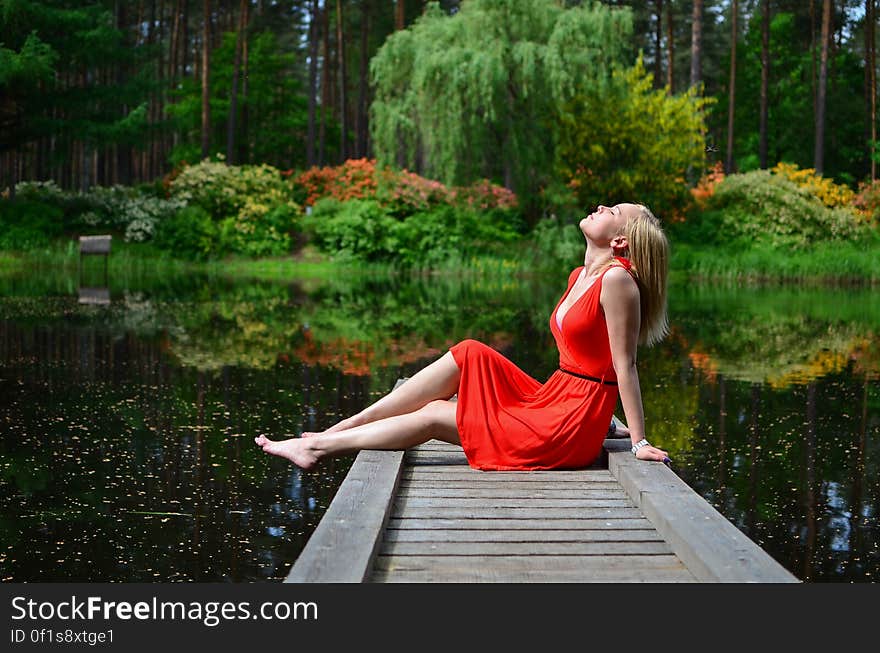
<point>128,409</point>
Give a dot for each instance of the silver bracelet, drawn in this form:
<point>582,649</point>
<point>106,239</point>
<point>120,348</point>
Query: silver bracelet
<point>638,445</point>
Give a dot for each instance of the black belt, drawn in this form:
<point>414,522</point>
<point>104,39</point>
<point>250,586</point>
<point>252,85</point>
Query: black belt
<point>587,377</point>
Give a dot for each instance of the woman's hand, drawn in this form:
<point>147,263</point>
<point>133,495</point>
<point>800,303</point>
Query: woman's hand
<point>652,453</point>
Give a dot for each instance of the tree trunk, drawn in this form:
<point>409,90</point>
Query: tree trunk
<point>399,14</point>
<point>206,84</point>
<point>185,47</point>
<point>870,87</point>
<point>873,24</point>
<point>123,150</point>
<point>174,47</point>
<point>731,102</point>
<point>819,152</point>
<point>765,82</point>
<point>313,81</point>
<point>325,84</point>
<point>813,56</point>
<point>361,115</point>
<point>244,152</point>
<point>233,94</point>
<point>670,50</point>
<point>697,43</point>
<point>658,39</point>
<point>343,82</point>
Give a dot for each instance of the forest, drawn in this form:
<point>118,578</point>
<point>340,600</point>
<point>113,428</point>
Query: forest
<point>421,116</point>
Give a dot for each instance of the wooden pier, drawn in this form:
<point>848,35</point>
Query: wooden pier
<point>424,515</point>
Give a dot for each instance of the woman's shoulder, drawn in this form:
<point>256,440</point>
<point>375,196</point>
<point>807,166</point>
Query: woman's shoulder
<point>574,274</point>
<point>618,280</point>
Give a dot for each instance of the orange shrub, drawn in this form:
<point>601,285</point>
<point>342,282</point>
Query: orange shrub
<point>705,188</point>
<point>396,190</point>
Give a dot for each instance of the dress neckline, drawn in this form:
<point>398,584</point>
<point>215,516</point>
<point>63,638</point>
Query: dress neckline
<point>618,260</point>
<point>560,320</point>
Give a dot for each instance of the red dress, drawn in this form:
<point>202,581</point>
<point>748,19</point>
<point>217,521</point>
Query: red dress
<point>509,421</point>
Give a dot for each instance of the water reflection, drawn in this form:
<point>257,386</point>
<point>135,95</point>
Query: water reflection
<point>126,451</point>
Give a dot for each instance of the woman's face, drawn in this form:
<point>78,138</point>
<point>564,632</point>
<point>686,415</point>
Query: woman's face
<point>602,225</point>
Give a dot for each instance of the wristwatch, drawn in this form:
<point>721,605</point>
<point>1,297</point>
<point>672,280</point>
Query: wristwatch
<point>638,445</point>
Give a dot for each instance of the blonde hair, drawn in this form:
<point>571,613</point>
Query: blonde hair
<point>649,255</point>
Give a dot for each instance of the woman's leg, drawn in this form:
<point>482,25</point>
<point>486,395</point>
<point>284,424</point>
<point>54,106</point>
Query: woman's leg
<point>439,380</point>
<point>433,420</point>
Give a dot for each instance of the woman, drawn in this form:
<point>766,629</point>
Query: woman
<point>506,420</point>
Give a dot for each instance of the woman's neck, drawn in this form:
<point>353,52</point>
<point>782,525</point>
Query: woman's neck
<point>596,259</point>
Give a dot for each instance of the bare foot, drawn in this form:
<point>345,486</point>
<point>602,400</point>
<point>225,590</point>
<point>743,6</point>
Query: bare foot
<point>300,453</point>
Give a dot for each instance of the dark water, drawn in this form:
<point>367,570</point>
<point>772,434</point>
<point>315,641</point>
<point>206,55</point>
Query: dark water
<point>126,428</point>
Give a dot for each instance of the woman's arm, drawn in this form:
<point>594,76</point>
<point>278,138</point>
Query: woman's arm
<point>620,301</point>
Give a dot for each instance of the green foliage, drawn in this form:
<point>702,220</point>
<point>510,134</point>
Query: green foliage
<point>631,142</point>
<point>189,233</point>
<point>556,245</point>
<point>130,211</point>
<point>354,229</point>
<point>759,207</point>
<point>258,230</point>
<point>47,45</point>
<point>829,261</point>
<point>27,224</point>
<point>251,206</point>
<point>275,102</point>
<point>791,97</point>
<point>365,230</point>
<point>477,94</point>
<point>224,190</point>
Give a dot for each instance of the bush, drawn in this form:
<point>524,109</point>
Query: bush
<point>631,142</point>
<point>365,230</point>
<point>259,230</point>
<point>824,189</point>
<point>190,233</point>
<point>355,229</point>
<point>399,192</point>
<point>131,211</point>
<point>28,224</point>
<point>556,245</point>
<point>224,190</point>
<point>762,207</point>
<point>867,200</point>
<point>251,206</point>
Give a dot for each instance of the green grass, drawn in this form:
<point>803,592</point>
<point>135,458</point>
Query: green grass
<point>835,263</point>
<point>829,262</point>
<point>137,260</point>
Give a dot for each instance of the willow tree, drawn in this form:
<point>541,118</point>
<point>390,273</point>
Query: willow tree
<point>478,94</point>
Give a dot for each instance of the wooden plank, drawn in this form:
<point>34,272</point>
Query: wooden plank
<point>456,471</point>
<point>712,548</point>
<point>439,445</point>
<point>603,548</point>
<point>478,485</point>
<point>648,534</point>
<point>550,525</point>
<point>436,458</point>
<point>409,503</point>
<point>520,513</point>
<point>344,544</point>
<point>500,492</point>
<point>541,569</point>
